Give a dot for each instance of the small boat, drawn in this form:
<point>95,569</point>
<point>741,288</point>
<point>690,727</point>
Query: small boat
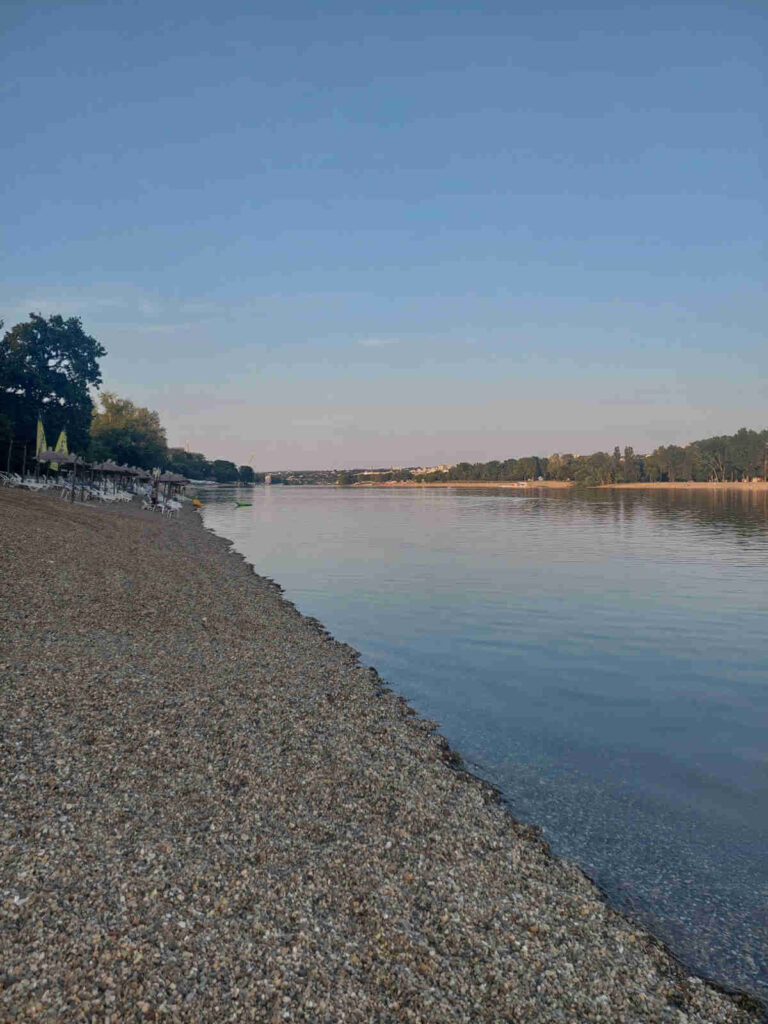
<point>243,504</point>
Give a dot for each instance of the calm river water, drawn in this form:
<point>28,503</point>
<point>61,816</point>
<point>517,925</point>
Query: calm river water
<point>601,657</point>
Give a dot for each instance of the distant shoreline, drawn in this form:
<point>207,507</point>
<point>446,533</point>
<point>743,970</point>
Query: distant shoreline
<point>505,484</point>
<point>559,485</point>
<point>689,485</point>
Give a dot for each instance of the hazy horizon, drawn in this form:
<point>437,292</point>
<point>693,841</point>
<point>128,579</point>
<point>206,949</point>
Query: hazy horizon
<point>398,236</point>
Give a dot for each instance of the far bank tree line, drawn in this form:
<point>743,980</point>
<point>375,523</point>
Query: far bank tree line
<point>731,457</point>
<point>47,370</point>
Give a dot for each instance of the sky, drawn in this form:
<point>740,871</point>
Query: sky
<point>344,234</point>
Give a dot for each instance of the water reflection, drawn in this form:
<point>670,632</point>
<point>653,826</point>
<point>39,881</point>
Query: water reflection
<point>599,656</point>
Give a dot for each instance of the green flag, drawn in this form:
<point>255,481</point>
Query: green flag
<point>41,444</point>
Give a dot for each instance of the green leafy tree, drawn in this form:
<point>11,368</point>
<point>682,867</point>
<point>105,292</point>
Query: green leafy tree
<point>565,467</point>
<point>528,468</point>
<point>246,475</point>
<point>655,465</point>
<point>746,449</point>
<point>632,467</point>
<point>345,479</point>
<point>594,470</point>
<point>127,433</point>
<point>224,472</point>
<point>46,369</point>
<point>714,457</point>
<point>617,469</point>
<point>192,465</point>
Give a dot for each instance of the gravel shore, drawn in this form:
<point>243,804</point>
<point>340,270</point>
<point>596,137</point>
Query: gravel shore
<point>211,812</point>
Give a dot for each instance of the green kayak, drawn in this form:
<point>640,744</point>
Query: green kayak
<point>243,504</point>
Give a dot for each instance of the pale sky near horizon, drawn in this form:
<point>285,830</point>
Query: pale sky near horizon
<point>404,234</point>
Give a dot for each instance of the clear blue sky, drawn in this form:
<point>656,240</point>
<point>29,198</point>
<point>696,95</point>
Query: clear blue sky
<point>366,234</point>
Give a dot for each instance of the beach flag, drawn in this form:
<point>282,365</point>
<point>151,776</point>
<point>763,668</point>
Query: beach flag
<point>61,446</point>
<point>41,444</point>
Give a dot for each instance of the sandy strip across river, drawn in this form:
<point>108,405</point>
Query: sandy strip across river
<point>211,812</point>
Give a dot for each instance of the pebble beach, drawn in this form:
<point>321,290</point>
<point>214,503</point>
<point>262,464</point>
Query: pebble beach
<point>210,811</point>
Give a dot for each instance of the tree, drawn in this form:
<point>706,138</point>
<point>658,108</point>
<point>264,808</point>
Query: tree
<point>594,470</point>
<point>617,472</point>
<point>565,467</point>
<point>714,456</point>
<point>6,430</point>
<point>127,433</point>
<point>224,472</point>
<point>528,468</point>
<point>46,370</point>
<point>633,466</point>
<point>246,475</point>
<point>192,465</point>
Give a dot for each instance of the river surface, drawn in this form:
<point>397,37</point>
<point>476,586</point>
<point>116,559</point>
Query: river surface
<point>602,657</point>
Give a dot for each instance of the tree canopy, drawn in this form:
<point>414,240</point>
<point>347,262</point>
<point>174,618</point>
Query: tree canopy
<point>192,465</point>
<point>128,433</point>
<point>225,472</point>
<point>46,369</point>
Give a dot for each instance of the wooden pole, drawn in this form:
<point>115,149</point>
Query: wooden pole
<point>24,462</point>
<point>8,464</point>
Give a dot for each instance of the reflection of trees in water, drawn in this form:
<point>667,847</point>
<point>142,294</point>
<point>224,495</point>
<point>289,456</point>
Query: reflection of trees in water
<point>743,511</point>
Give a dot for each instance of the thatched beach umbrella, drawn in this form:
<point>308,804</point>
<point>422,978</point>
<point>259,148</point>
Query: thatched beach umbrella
<point>166,478</point>
<point>50,456</point>
<point>63,458</point>
<point>171,480</point>
<point>108,468</point>
<point>126,473</point>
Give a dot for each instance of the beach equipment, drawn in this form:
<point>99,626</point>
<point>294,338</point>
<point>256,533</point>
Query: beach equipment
<point>61,458</point>
<point>64,459</point>
<point>172,480</point>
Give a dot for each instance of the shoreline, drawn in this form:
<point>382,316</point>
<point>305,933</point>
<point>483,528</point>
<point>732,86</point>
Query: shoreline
<point>211,778</point>
<point>558,485</point>
<point>520,485</point>
<point>690,485</point>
